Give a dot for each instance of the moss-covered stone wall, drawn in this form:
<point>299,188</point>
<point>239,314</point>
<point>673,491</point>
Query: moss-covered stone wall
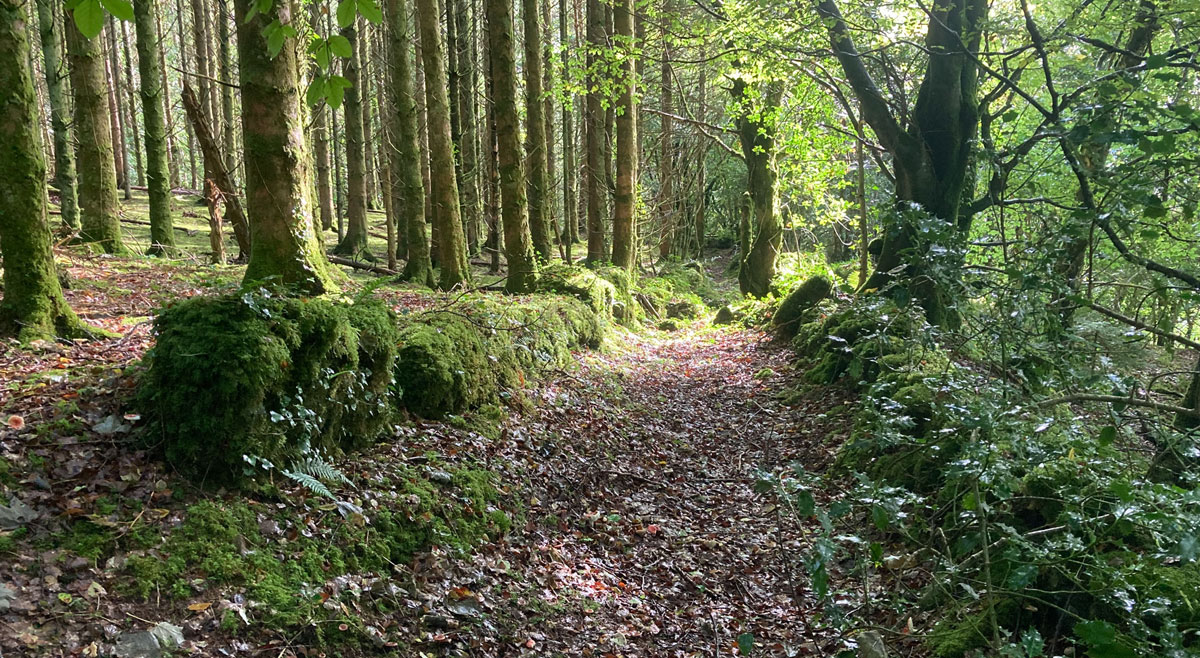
<point>238,379</point>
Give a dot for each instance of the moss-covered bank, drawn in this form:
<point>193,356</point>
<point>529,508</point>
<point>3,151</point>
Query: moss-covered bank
<point>253,377</point>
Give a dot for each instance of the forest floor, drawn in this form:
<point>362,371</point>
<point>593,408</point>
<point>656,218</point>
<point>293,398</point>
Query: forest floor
<point>631,476</point>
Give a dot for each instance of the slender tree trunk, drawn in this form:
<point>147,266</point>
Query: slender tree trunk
<point>468,120</point>
<point>423,143</point>
<point>702,169</point>
<point>522,268</point>
<point>221,180</point>
<point>451,241</point>
<point>58,93</point>
<point>594,169</point>
<point>570,224</point>
<point>408,190</point>
<point>172,143</point>
<point>117,122</point>
<point>321,151</point>
<point>666,168</point>
<point>226,73</point>
<point>354,243</point>
<point>284,245</point>
<point>162,233</point>
<point>492,183</point>
<point>185,62</point>
<point>131,104</point>
<point>625,241</point>
<point>98,208</point>
<point>33,306</point>
<point>550,203</point>
<point>535,130</point>
<point>363,55</point>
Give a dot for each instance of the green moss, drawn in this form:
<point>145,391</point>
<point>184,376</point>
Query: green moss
<point>591,287</point>
<point>483,349</point>
<point>265,376</point>
<point>793,309</point>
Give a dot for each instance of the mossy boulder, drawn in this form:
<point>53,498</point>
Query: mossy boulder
<point>265,376</point>
<point>803,298</point>
<point>725,315</point>
<point>581,283</point>
<point>480,349</point>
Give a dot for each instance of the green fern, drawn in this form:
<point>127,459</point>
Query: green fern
<point>311,483</point>
<point>316,466</point>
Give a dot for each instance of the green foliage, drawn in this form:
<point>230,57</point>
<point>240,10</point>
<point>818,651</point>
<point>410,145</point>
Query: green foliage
<point>265,376</point>
<point>595,290</point>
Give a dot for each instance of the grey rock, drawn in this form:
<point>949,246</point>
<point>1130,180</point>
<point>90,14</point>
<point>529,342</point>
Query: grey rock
<point>870,645</point>
<point>16,514</point>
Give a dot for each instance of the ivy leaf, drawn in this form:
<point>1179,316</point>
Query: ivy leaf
<point>370,11</point>
<point>347,10</point>
<point>121,9</point>
<point>1108,435</point>
<point>745,643</point>
<point>89,18</point>
<point>275,38</point>
<point>340,46</point>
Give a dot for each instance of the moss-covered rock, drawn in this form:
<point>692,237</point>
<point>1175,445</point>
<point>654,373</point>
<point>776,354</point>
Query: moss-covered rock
<point>725,315</point>
<point>581,283</point>
<point>792,309</point>
<point>265,376</point>
<point>471,354</point>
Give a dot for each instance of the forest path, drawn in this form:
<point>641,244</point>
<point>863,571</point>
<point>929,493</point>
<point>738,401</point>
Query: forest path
<point>645,535</point>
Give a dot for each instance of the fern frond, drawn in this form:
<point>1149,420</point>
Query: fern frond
<point>311,483</point>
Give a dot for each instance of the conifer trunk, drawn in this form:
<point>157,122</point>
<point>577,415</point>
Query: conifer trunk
<point>172,143</point>
<point>116,109</point>
<point>594,170</point>
<point>58,94</point>
<point>451,241</point>
<point>354,242</point>
<point>158,175</point>
<point>666,170</point>
<point>33,306</point>
<point>408,190</point>
<point>570,224</point>
<point>131,107</point>
<point>522,268</point>
<point>229,134</point>
<point>468,120</point>
<point>284,245</point>
<point>97,182</point>
<point>535,131</point>
<point>625,242</point>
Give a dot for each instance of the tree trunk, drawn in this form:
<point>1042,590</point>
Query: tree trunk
<point>321,152</point>
<point>58,94</point>
<point>570,224</point>
<point>594,169</point>
<point>363,55</point>
<point>158,175</point>
<point>666,170</point>
<point>931,156</point>
<point>226,70</point>
<point>185,64</point>
<point>763,235</point>
<point>408,190</point>
<point>451,241</point>
<point>423,142</point>
<point>522,268</point>
<point>550,202</point>
<point>116,110</point>
<point>33,306</point>
<point>214,163</point>
<point>99,208</point>
<point>172,144</point>
<point>625,241</point>
<point>354,242</point>
<point>131,105</point>
<point>468,120</point>
<point>492,183</point>
<point>535,132</point>
<point>284,245</point>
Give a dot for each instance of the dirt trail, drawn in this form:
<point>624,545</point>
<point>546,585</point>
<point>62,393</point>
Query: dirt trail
<point>646,536</point>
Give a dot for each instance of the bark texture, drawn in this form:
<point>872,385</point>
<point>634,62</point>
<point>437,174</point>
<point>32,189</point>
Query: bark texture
<point>33,306</point>
<point>522,267</point>
<point>625,242</point>
<point>98,208</point>
<point>158,172</point>
<point>354,242</point>
<point>58,93</point>
<point>535,132</point>
<point>285,249</point>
